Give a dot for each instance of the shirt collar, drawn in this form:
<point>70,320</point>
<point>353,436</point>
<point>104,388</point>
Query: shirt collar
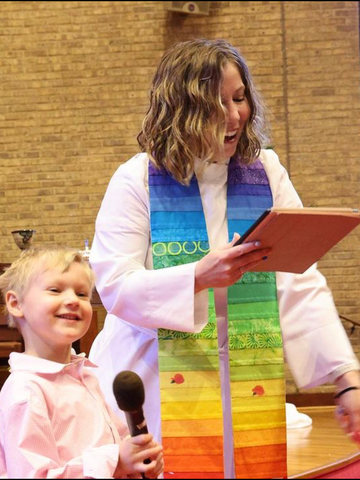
<point>212,172</point>
<point>22,361</point>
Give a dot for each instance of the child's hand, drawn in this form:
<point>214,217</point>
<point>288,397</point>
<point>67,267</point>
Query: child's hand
<point>133,452</point>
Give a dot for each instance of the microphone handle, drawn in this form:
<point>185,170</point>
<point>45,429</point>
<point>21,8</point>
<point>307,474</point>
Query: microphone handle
<point>136,422</point>
<point>137,426</point>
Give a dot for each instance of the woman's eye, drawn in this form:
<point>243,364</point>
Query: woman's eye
<point>239,100</point>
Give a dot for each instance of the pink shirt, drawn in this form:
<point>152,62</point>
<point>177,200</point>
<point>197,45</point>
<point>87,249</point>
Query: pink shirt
<point>54,422</point>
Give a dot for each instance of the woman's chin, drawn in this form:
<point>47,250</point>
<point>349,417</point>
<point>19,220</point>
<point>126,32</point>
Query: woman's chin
<point>229,150</point>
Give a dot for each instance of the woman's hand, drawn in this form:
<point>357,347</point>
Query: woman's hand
<point>348,409</point>
<point>225,266</point>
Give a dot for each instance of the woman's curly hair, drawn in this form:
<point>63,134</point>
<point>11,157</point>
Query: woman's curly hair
<point>186,119</point>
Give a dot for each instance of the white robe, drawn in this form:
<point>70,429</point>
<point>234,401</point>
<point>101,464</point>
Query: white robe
<point>139,300</point>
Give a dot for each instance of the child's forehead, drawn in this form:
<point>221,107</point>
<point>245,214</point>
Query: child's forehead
<point>47,265</point>
<point>50,267</point>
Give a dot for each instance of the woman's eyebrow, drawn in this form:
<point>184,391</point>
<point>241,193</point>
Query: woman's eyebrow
<point>241,89</point>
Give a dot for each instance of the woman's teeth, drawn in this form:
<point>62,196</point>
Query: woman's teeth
<point>230,136</point>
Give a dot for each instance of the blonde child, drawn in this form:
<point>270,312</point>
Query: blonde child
<point>54,422</point>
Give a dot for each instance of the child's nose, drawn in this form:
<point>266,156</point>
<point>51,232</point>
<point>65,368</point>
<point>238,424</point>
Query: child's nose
<point>71,298</point>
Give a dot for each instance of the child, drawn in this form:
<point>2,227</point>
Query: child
<point>54,422</point>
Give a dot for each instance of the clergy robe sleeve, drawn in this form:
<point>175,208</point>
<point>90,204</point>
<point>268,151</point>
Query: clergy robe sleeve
<point>316,346</point>
<point>121,258</point>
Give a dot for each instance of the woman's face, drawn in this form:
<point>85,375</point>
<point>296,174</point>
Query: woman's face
<point>237,106</point>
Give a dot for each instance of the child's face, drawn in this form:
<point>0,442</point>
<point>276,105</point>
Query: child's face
<point>56,309</point>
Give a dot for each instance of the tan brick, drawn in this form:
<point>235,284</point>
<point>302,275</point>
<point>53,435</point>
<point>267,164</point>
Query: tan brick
<point>74,89</point>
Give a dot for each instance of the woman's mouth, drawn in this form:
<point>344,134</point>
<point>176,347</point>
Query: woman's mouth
<point>230,137</point>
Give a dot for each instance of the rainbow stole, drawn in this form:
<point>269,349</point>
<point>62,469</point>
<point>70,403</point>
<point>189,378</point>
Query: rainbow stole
<point>216,423</point>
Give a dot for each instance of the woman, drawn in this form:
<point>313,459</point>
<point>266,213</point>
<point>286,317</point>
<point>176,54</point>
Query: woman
<point>182,300</point>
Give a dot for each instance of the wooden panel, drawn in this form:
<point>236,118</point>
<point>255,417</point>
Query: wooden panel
<point>3,317</point>
<point>7,347</point>
<point>9,334</point>
<point>314,399</point>
<point>4,373</point>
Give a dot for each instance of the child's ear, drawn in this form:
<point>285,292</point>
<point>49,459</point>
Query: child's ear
<point>13,304</point>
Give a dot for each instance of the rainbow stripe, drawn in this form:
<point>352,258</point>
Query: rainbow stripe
<point>192,389</point>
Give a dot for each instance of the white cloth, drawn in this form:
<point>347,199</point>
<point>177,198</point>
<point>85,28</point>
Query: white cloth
<point>295,419</point>
<point>140,300</point>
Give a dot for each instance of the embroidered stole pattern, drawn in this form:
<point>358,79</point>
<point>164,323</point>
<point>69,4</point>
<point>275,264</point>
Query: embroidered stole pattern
<point>194,399</point>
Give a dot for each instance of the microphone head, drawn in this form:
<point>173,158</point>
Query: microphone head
<point>129,391</point>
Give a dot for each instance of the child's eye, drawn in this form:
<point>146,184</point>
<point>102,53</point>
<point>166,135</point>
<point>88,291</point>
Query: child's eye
<point>82,294</point>
<point>54,290</point>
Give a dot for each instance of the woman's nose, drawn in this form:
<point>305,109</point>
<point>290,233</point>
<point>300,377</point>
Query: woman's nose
<point>234,115</point>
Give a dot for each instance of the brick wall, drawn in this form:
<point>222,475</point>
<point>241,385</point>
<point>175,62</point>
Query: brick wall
<point>73,91</point>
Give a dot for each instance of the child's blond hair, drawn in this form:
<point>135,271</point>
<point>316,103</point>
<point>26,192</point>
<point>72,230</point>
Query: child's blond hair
<point>21,273</point>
